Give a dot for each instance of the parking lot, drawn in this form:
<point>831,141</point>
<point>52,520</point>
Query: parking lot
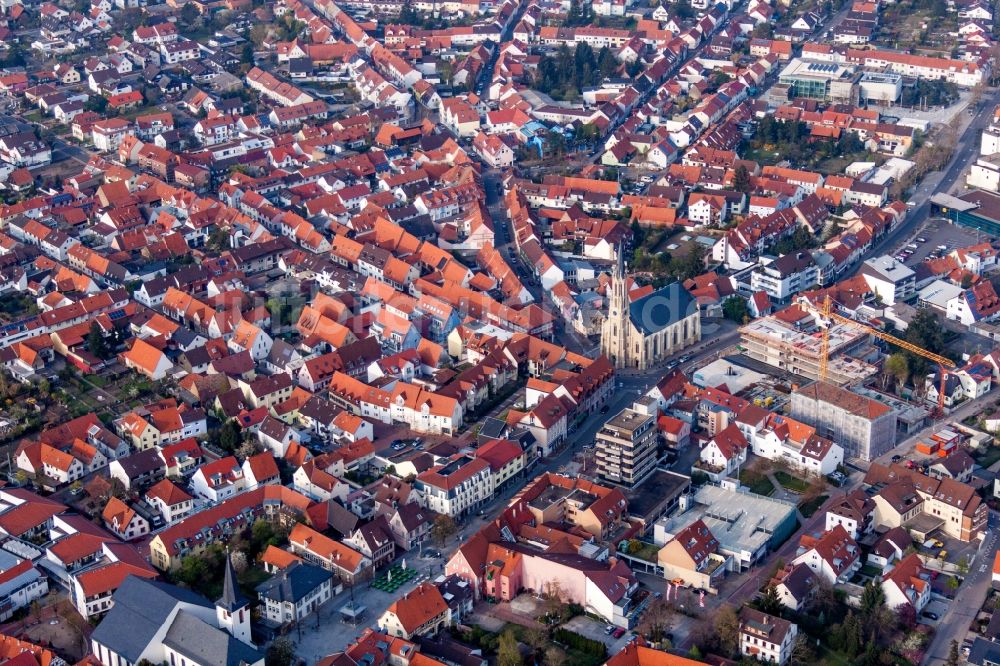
<point>937,232</point>
<point>586,626</point>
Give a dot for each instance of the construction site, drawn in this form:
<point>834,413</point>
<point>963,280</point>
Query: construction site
<point>796,347</point>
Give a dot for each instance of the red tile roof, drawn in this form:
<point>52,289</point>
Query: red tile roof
<point>109,578</point>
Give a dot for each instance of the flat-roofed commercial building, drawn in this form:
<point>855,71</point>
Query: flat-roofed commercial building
<point>880,86</point>
<point>746,525</point>
<point>819,80</point>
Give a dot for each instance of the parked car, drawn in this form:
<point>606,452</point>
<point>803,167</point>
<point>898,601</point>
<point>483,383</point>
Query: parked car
<point>897,458</point>
<point>609,630</point>
<point>618,633</point>
<point>921,239</point>
<point>930,615</point>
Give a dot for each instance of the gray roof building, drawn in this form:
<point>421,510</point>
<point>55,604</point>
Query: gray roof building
<point>150,620</point>
<point>201,643</point>
<point>293,584</point>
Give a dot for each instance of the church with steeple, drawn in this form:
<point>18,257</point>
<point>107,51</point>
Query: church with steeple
<point>165,624</point>
<point>644,326</point>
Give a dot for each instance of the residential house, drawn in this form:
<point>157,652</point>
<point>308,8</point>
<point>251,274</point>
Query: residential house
<point>374,540</point>
<point>421,612</point>
<point>349,565</point>
<point>170,501</point>
<point>795,585</point>
<point>765,637</point>
<point>834,556</point>
<point>218,480</point>
<point>854,512</point>
<point>907,583</point>
<point>123,520</point>
<point>294,593</point>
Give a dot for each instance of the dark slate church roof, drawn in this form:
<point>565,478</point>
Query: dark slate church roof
<point>658,310</point>
<point>142,607</point>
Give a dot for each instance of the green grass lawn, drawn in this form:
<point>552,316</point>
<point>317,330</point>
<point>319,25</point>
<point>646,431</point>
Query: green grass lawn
<point>97,380</point>
<point>871,570</point>
<point>647,552</point>
<point>763,156</point>
<point>574,656</point>
<point>77,395</point>
<point>758,484</point>
<point>834,165</point>
<point>790,482</point>
<point>812,506</point>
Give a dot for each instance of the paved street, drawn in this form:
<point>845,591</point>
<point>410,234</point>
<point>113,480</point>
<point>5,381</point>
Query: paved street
<point>968,598</point>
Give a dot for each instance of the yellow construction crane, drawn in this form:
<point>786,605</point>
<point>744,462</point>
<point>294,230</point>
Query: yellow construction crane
<point>826,310</point>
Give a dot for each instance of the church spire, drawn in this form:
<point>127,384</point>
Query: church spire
<point>231,599</point>
<point>614,331</point>
<point>232,610</point>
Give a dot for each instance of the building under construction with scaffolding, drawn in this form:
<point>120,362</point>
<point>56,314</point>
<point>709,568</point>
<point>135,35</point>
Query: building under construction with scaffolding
<point>792,341</point>
<point>747,526</point>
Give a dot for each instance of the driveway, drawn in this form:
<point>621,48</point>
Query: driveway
<point>936,607</point>
<point>594,630</point>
